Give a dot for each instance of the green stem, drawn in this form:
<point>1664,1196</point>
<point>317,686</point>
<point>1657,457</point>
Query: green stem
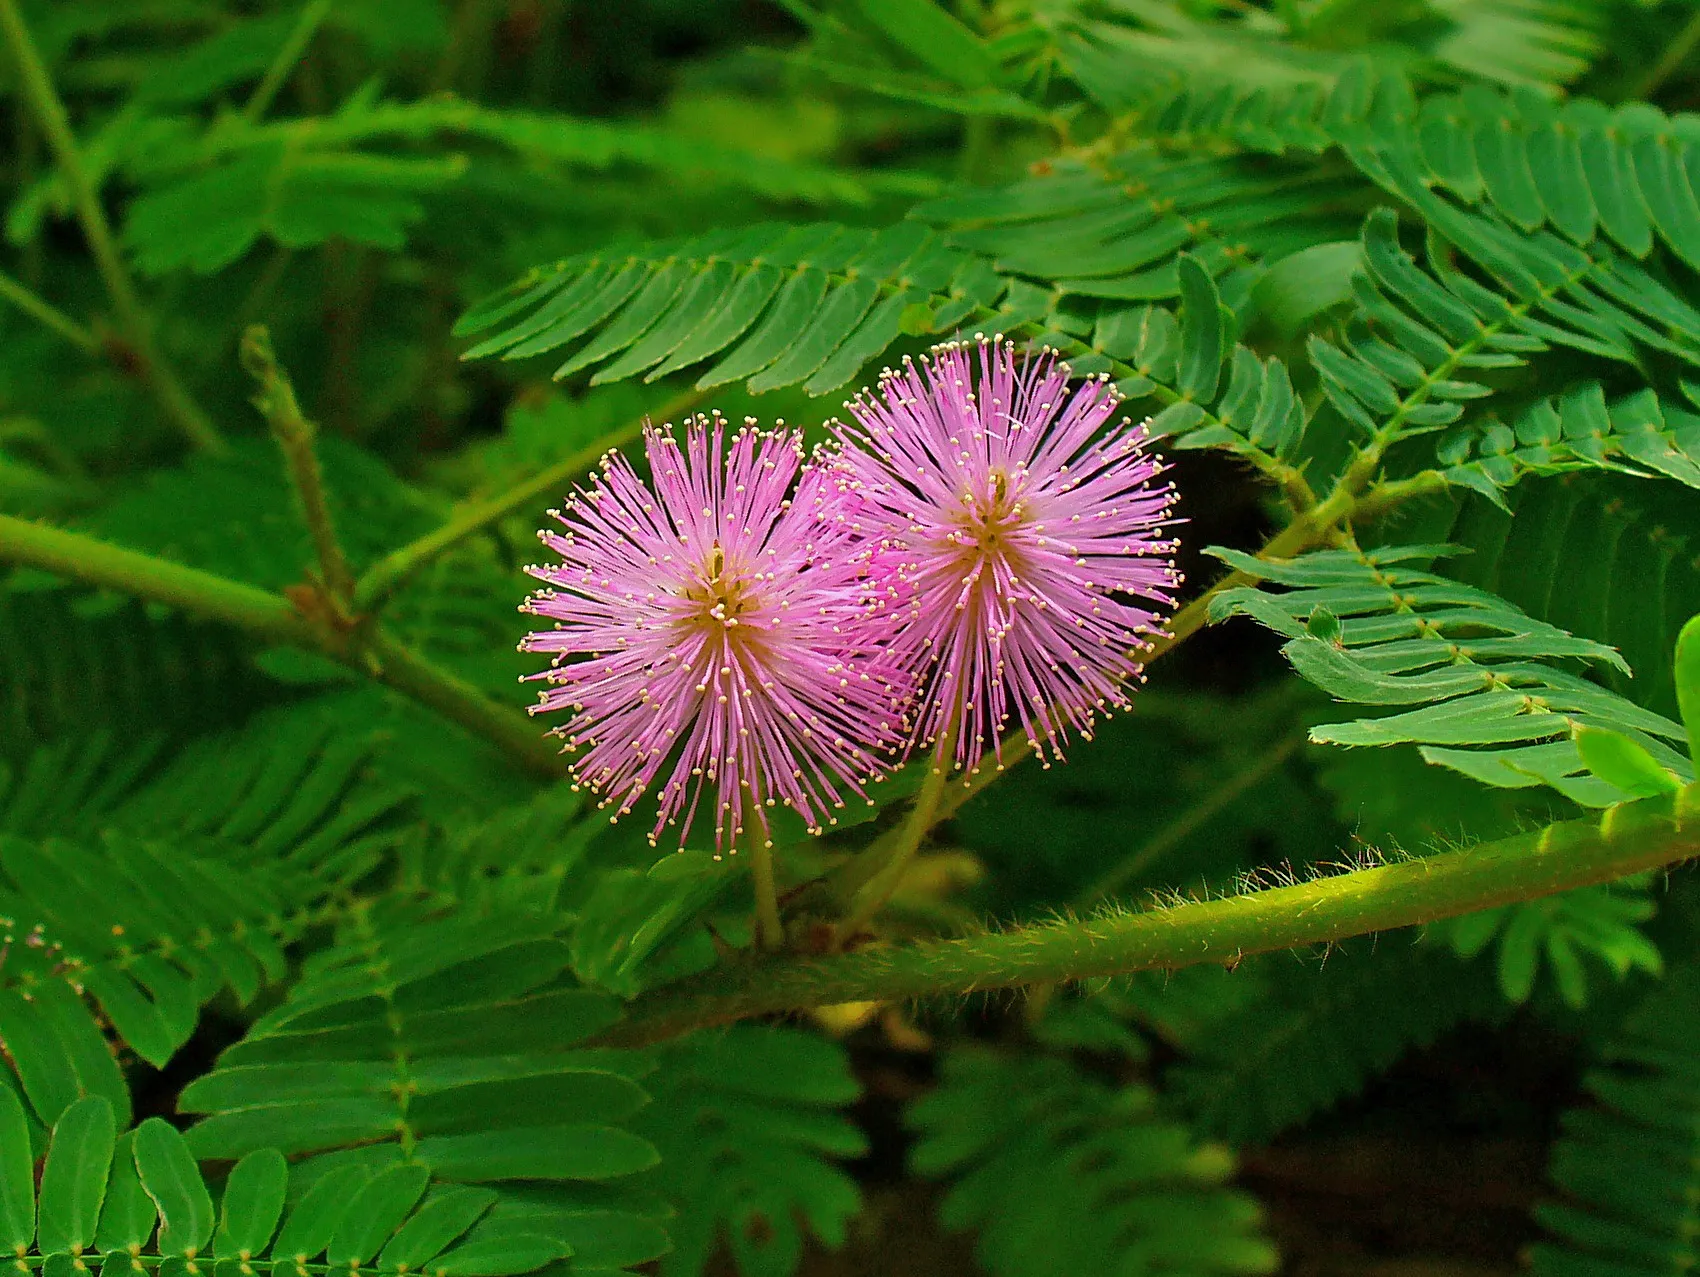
<point>770,931</point>
<point>160,378</point>
<point>1383,496</point>
<point>922,816</point>
<point>1632,838</point>
<point>295,434</point>
<point>1189,822</point>
<point>274,618</point>
<point>300,35</point>
<point>514,733</point>
<point>389,573</point>
<point>48,315</point>
<point>82,558</point>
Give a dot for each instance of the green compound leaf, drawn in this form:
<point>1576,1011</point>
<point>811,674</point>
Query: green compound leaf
<point>1598,923</point>
<point>1491,694</point>
<point>812,304</point>
<point>750,1126</point>
<point>1624,1162</point>
<point>1061,1174</point>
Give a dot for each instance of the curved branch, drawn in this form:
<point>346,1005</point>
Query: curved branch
<point>366,650</point>
<point>1649,834</point>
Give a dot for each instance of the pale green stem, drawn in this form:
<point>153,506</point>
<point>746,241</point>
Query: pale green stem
<point>82,558</point>
<point>385,576</point>
<point>1639,836</point>
<point>922,816</point>
<point>133,320</point>
<point>300,35</point>
<point>770,931</point>
<point>274,618</point>
<point>48,315</point>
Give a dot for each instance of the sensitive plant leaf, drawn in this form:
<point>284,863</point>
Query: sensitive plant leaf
<point>168,1172</point>
<point>252,1204</point>
<point>128,1215</point>
<point>1688,684</point>
<point>1310,1034</point>
<point>73,1180</point>
<point>749,1125</point>
<point>129,1182</point>
<point>1626,1186</point>
<point>17,1175</point>
<point>929,32</point>
<point>1619,761</point>
<point>1569,935</point>
<point>1060,1173</point>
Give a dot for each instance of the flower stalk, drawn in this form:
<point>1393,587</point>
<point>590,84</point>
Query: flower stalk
<point>922,816</point>
<point>770,930</point>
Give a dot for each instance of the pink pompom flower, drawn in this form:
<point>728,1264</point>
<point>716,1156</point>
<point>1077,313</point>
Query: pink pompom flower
<point>712,631</point>
<point>1027,533</point>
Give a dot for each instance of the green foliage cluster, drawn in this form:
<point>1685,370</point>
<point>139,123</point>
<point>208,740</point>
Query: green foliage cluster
<point>311,961</point>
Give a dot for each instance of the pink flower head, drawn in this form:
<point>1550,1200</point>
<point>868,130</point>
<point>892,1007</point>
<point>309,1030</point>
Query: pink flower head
<point>707,626</point>
<point>1029,533</point>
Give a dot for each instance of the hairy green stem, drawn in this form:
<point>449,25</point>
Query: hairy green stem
<point>49,111</point>
<point>389,573</point>
<point>1644,835</point>
<point>295,435</point>
<point>275,618</point>
<point>48,315</point>
<point>294,45</point>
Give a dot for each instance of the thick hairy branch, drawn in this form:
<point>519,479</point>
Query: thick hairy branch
<point>1649,834</point>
